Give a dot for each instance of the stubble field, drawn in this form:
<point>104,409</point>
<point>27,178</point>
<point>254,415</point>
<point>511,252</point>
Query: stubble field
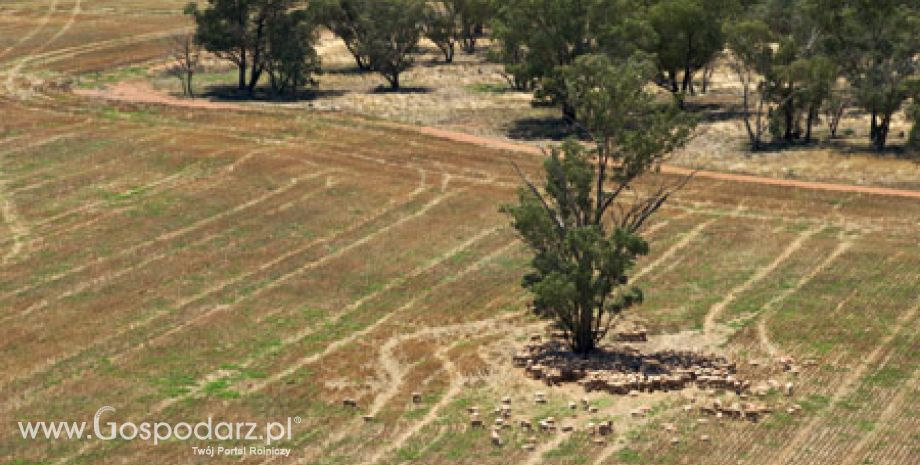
<point>267,263</point>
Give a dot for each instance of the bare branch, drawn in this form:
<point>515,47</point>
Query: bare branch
<point>536,192</point>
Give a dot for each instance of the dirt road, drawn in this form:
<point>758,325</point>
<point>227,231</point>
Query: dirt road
<point>139,92</point>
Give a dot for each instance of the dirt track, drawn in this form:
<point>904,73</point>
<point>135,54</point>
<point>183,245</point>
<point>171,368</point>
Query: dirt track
<point>143,93</point>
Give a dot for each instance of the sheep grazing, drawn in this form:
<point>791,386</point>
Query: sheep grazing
<point>605,428</point>
<point>529,447</point>
<point>548,425</point>
<point>568,428</point>
<point>350,403</point>
<point>573,406</point>
<point>526,424</point>
<point>539,398</point>
<point>789,389</point>
<point>368,418</point>
<point>506,400</point>
<point>496,439</point>
<point>476,422</point>
<point>416,397</point>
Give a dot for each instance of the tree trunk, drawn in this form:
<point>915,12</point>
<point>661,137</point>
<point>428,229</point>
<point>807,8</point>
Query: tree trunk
<point>873,126</point>
<point>242,73</point>
<point>706,72</point>
<point>188,83</point>
<point>449,53</point>
<point>808,123</point>
<point>568,111</point>
<point>393,78</point>
<point>881,133</point>
<point>790,120</point>
<point>254,77</point>
<point>583,342</point>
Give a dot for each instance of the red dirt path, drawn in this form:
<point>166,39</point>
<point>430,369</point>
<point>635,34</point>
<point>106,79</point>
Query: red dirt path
<point>140,92</point>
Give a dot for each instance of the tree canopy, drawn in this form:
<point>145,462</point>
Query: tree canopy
<point>584,226</point>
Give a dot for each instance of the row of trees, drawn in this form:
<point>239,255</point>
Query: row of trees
<point>798,61</point>
<point>278,37</point>
<point>794,69</point>
<point>383,35</point>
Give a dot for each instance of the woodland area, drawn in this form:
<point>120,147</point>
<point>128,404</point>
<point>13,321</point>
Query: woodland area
<point>800,63</point>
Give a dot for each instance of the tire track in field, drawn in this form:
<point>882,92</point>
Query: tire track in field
<point>147,188</point>
<point>72,174</point>
<point>846,386</point>
<point>330,183</point>
<point>822,444</point>
<point>334,346</point>
<point>100,280</point>
<point>47,181</point>
<point>52,7</point>
<point>292,145</point>
<point>674,249</point>
<point>45,141</point>
<point>453,390</point>
<point>767,311</point>
<point>894,408</point>
<point>16,70</point>
<point>710,324</point>
<point>393,204</point>
<point>152,187</point>
<point>284,278</point>
<point>70,52</point>
<point>394,370</point>
<point>17,227</point>
<point>449,395</point>
<point>300,335</point>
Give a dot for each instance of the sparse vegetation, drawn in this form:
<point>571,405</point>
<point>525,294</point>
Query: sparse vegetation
<point>186,258</point>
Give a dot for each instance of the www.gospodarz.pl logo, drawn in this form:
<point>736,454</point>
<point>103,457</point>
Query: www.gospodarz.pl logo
<point>156,432</point>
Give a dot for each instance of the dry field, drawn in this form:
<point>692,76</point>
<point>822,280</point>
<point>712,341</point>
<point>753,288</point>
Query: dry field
<point>259,264</point>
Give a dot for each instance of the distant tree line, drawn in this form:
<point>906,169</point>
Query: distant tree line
<point>278,37</point>
<point>799,63</point>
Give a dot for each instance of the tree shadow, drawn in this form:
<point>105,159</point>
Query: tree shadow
<point>382,89</point>
<point>231,93</point>
<point>544,128</point>
<point>347,71</point>
<point>555,355</point>
<point>714,112</point>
